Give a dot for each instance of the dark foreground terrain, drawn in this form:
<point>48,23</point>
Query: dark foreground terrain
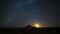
<point>54,30</point>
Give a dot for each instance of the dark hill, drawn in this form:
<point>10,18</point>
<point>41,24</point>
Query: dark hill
<point>30,30</point>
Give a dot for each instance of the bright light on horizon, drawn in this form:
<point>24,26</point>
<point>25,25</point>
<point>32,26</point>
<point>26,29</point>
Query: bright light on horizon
<point>37,25</point>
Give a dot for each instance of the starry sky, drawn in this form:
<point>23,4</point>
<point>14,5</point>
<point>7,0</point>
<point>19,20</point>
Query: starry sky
<point>20,13</point>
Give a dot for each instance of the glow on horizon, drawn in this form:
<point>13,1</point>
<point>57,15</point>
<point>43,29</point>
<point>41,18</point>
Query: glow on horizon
<point>37,25</point>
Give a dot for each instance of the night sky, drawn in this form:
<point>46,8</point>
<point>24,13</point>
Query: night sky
<point>20,13</point>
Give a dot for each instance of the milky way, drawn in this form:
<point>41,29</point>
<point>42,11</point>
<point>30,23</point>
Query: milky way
<point>18,13</point>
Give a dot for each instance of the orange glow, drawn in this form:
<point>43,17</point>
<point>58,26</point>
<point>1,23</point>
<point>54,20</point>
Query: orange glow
<point>37,25</point>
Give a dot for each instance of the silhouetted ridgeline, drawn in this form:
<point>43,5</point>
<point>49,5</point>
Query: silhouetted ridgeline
<point>32,30</point>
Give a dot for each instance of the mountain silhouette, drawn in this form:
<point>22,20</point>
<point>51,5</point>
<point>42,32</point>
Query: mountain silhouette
<point>29,26</point>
